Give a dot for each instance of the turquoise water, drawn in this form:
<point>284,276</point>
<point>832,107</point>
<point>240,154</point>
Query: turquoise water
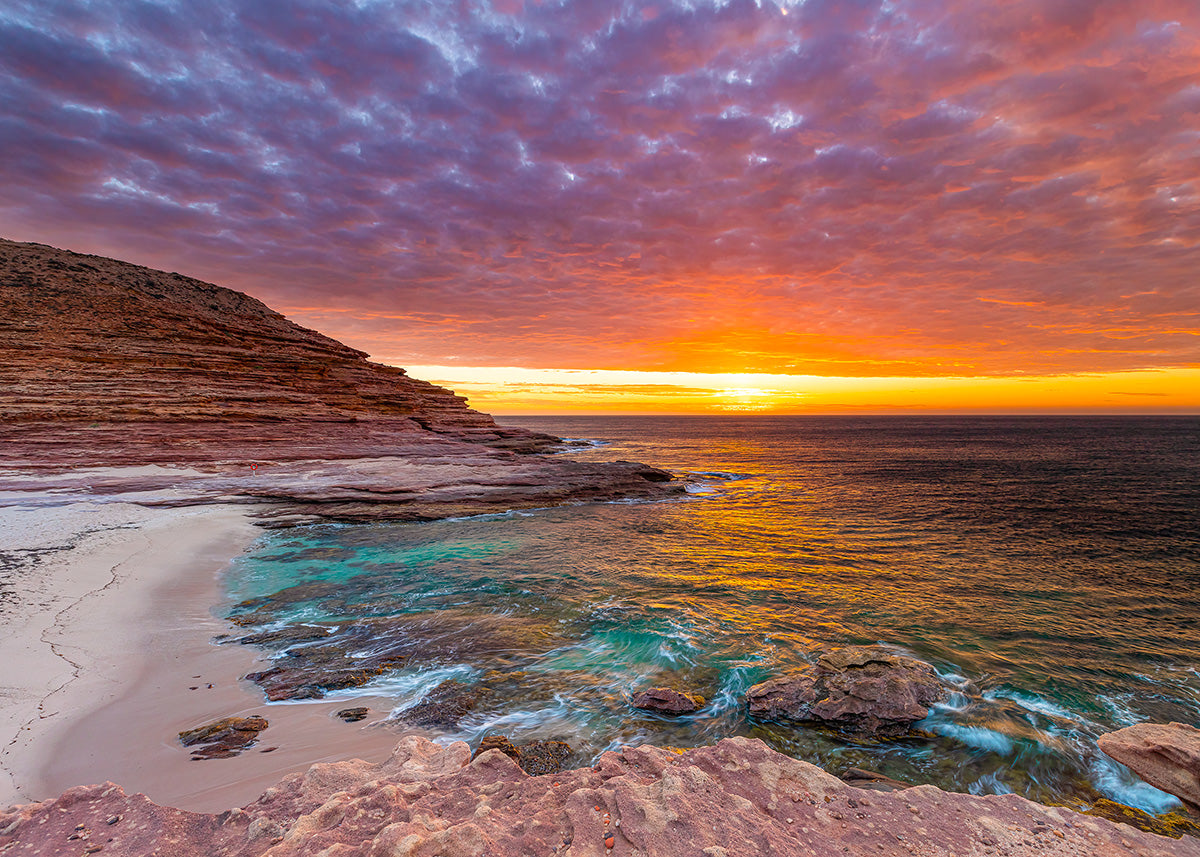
<point>1046,567</point>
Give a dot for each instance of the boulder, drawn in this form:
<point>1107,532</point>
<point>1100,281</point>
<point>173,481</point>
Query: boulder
<point>865,690</point>
<point>1167,756</point>
<point>667,701</point>
<point>223,739</point>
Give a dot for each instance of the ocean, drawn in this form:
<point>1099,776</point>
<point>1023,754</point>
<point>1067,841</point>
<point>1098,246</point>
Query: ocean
<point>1047,567</point>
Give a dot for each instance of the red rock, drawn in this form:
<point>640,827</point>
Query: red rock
<point>866,690</point>
<point>667,701</point>
<point>103,363</point>
<point>1167,756</point>
<point>734,798</point>
<point>223,739</point>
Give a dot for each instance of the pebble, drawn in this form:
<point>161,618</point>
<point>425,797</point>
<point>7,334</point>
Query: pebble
<point>609,842</point>
<point>113,819</point>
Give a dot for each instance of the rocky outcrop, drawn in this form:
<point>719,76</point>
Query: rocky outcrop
<point>864,690</point>
<point>103,363</point>
<point>87,339</point>
<point>1167,756</point>
<point>335,659</point>
<point>735,798</point>
<point>353,715</point>
<point>223,739</point>
<point>665,700</point>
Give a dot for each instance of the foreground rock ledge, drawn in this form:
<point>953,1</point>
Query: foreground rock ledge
<point>738,797</point>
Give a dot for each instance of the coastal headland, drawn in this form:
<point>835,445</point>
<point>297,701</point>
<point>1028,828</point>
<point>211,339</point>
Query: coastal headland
<point>151,426</point>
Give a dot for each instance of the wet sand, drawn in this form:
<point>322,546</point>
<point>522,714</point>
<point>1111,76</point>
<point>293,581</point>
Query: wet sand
<point>107,631</point>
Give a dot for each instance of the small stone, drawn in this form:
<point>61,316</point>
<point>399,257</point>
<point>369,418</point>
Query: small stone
<point>113,819</point>
<point>609,842</point>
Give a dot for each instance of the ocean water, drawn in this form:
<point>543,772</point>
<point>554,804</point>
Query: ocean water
<point>1049,568</point>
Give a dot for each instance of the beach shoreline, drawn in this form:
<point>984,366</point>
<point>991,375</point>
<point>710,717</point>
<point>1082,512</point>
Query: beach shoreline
<point>115,627</point>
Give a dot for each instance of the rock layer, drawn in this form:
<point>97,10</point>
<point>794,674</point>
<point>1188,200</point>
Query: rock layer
<point>735,798</point>
<point>1167,756</point>
<point>86,339</point>
<point>867,690</point>
<point>107,364</point>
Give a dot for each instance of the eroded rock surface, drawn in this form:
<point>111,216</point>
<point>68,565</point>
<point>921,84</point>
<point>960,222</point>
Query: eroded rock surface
<point>865,690</point>
<point>665,700</point>
<point>735,798</point>
<point>1167,756</point>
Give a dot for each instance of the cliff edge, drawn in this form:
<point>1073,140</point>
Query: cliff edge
<point>85,339</point>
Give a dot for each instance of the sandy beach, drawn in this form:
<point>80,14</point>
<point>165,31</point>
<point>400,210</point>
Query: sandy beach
<point>108,629</point>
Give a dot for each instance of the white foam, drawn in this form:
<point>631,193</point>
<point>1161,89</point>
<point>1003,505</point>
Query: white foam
<point>1117,782</point>
<point>1036,704</point>
<point>407,688</point>
<point>977,736</point>
<point>989,784</point>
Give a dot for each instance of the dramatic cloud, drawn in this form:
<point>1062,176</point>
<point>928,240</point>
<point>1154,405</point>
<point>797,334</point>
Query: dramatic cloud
<point>832,187</point>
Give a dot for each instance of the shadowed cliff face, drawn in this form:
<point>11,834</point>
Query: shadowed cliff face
<point>84,339</point>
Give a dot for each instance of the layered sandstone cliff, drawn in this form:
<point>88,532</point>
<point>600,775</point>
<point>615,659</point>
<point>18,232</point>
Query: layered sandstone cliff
<point>84,340</point>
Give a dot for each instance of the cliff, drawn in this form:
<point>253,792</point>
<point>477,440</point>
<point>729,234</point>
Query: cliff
<point>85,339</point>
<point>108,364</point>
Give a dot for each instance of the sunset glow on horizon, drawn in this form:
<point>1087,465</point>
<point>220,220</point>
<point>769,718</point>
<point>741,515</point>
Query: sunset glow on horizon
<point>510,390</point>
<point>673,207</point>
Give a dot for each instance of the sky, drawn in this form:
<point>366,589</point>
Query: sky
<point>800,207</point>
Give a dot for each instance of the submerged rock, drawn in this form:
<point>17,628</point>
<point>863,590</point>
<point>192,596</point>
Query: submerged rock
<point>223,739</point>
<point>872,781</point>
<point>445,705</point>
<point>497,742</point>
<point>667,701</point>
<point>737,797</point>
<point>356,653</point>
<point>353,715</point>
<point>544,757</point>
<point>865,690</point>
<point>1171,824</point>
<point>1167,756</point>
<point>536,758</point>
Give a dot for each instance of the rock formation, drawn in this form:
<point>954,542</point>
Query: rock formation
<point>86,339</point>
<point>1167,756</point>
<point>104,363</point>
<point>735,798</point>
<point>223,738</point>
<point>667,701</point>
<point>866,690</point>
